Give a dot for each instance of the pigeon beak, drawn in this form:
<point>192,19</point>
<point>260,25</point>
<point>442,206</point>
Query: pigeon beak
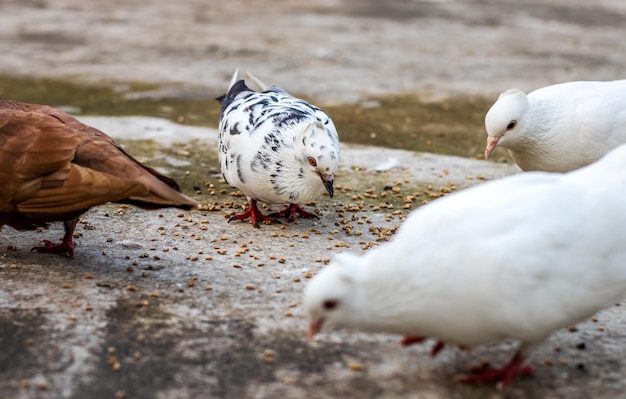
<point>315,326</point>
<point>328,181</point>
<point>492,142</point>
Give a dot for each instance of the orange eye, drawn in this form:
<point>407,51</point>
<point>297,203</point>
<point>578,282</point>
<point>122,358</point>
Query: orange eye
<point>312,162</point>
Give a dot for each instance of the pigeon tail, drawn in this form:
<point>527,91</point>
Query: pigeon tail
<point>234,89</point>
<point>262,86</point>
<point>162,197</point>
<point>161,193</point>
<point>234,79</point>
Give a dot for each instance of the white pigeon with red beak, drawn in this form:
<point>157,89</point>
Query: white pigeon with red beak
<point>558,128</point>
<point>514,258</point>
<point>275,148</point>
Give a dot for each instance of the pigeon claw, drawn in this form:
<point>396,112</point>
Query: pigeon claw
<point>65,246</point>
<point>255,217</point>
<point>412,339</point>
<point>437,348</point>
<point>49,247</point>
<point>254,214</point>
<point>293,210</point>
<point>502,376</point>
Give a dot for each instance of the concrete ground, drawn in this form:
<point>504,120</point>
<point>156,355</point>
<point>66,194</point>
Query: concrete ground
<point>172,304</point>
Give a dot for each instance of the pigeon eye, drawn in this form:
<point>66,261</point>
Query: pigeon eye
<point>312,162</point>
<point>511,125</point>
<point>330,304</point>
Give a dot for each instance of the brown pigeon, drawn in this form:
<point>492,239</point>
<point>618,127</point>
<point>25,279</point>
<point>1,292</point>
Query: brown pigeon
<point>54,168</point>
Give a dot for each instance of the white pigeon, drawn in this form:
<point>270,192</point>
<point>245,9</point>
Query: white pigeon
<point>275,148</point>
<point>558,128</point>
<point>514,258</point>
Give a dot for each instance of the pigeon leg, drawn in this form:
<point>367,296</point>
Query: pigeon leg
<point>412,339</point>
<point>503,375</point>
<point>65,246</point>
<point>292,210</point>
<point>253,213</point>
<point>437,348</point>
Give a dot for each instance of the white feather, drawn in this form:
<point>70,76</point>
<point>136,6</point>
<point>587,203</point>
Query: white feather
<point>275,135</point>
<point>262,86</point>
<point>515,258</point>
<point>562,127</point>
<point>234,79</point>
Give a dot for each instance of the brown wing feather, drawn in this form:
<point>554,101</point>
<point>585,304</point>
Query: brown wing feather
<point>98,151</point>
<point>26,158</point>
<point>53,167</point>
<point>82,188</point>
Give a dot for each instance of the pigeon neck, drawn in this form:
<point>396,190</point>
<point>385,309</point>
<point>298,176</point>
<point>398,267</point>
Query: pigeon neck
<point>383,295</point>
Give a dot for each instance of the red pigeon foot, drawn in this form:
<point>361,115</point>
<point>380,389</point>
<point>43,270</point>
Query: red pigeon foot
<point>292,210</point>
<point>437,348</point>
<point>65,246</point>
<point>412,339</point>
<point>503,376</point>
<point>50,247</point>
<point>254,214</point>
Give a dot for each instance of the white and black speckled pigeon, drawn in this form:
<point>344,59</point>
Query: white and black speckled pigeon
<point>275,148</point>
<point>518,257</point>
<point>561,127</point>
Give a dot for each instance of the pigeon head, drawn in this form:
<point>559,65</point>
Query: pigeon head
<point>333,296</point>
<point>320,153</point>
<point>504,121</point>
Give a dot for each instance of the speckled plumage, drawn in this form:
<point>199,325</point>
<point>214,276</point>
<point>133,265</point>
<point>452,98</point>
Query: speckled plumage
<point>274,147</point>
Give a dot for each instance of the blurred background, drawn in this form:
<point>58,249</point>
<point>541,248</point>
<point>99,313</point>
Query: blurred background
<point>414,74</point>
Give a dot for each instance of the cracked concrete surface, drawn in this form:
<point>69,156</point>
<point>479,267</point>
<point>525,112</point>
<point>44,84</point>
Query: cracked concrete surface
<point>173,304</point>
